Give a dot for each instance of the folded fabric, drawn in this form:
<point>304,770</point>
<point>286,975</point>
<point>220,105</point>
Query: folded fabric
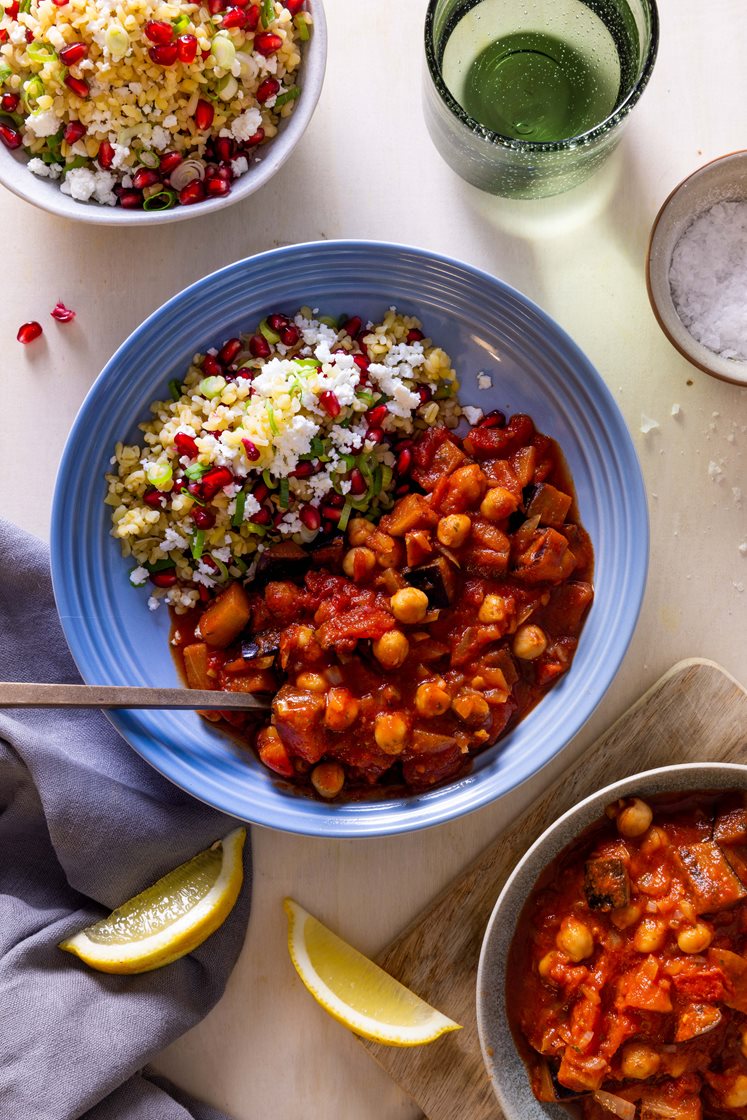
<point>85,823</point>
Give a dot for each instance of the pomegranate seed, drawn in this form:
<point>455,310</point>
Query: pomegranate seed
<point>303,470</point>
<point>195,489</point>
<point>414,335</point>
<point>217,187</point>
<point>294,6</point>
<point>28,332</point>
<point>193,192</point>
<point>10,136</point>
<point>163,579</point>
<point>73,132</point>
<point>376,416</point>
<point>214,481</point>
<point>259,347</point>
<point>61,313</point>
<point>290,335</point>
<point>203,518</point>
<point>3,35</point>
<point>352,326</point>
<point>402,490</point>
<point>310,517</point>
<point>186,445</point>
<point>336,501</point>
<point>404,461</point>
<point>494,419</point>
<point>270,87</point>
<point>229,350</point>
<point>277,322</point>
<point>224,148</point>
<point>425,394</point>
<point>256,138</point>
<point>74,53</point>
<point>211,171</point>
<point>165,54</point>
<point>261,517</point>
<point>330,403</point>
<point>145,177</point>
<point>211,367</point>
<point>186,48</point>
<point>158,31</point>
<point>252,18</point>
<point>215,6</point>
<point>267,43</point>
<point>11,9</point>
<point>362,362</point>
<point>331,514</point>
<point>225,172</point>
<point>251,449</point>
<point>60,3</point>
<point>29,35</point>
<point>234,17</point>
<point>204,114</point>
<point>154,498</point>
<point>169,162</point>
<point>9,102</point>
<point>105,154</point>
<point>375,435</point>
<point>78,86</point>
<point>260,491</point>
<point>130,200</point>
<point>358,484</point>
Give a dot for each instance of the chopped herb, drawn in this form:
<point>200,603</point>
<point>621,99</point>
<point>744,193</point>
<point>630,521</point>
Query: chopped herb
<point>268,480</point>
<point>223,570</point>
<point>253,527</point>
<point>161,565</point>
<point>342,524</point>
<point>283,99</point>
<point>181,24</point>
<point>195,471</point>
<point>284,493</point>
<point>164,200</point>
<point>241,564</point>
<point>197,543</point>
<point>268,12</point>
<point>175,389</point>
<point>268,333</point>
<point>302,27</point>
<point>271,417</point>
<point>238,514</point>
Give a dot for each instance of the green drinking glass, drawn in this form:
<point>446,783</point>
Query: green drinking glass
<point>527,98</point>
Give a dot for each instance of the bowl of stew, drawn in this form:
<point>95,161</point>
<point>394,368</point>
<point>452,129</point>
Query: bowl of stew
<point>416,669</point>
<point>612,979</point>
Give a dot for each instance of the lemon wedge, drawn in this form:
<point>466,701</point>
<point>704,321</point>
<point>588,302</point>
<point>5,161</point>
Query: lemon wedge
<point>170,918</point>
<point>354,990</point>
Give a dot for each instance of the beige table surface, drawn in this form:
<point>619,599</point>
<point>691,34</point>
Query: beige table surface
<point>366,168</point>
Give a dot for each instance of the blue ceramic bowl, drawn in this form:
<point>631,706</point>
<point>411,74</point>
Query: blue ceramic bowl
<point>485,326</point>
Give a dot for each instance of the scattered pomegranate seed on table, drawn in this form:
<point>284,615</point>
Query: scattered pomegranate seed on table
<point>61,313</point>
<point>28,332</point>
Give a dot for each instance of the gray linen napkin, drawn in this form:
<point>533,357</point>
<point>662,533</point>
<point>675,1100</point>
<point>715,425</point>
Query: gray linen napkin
<point>84,824</point>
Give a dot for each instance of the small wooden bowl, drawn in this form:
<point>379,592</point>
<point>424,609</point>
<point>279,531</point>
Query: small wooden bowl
<point>722,180</point>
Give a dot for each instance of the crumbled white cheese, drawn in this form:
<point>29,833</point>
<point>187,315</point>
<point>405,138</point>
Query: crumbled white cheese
<point>648,424</point>
<point>138,576</point>
<point>43,124</point>
<point>244,126</point>
<point>472,415</point>
<point>44,170</point>
<point>484,380</point>
<point>676,410</point>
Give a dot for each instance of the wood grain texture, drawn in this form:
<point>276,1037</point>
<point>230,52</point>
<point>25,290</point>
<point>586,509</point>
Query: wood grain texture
<point>695,713</point>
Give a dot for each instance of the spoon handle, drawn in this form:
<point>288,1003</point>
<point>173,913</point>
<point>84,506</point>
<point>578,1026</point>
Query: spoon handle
<point>17,694</point>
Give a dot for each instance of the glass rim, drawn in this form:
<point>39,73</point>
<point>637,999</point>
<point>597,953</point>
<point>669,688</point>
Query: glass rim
<point>580,139</point>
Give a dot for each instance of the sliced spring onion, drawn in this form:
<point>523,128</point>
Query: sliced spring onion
<point>268,480</point>
<point>311,363</point>
<point>32,90</point>
<point>223,570</point>
<point>284,493</point>
<point>175,389</point>
<point>317,447</point>
<point>197,501</point>
<point>117,41</point>
<point>238,514</point>
<point>283,99</point>
<point>212,387</point>
<point>149,159</point>
<point>271,417</point>
<point>181,24</point>
<point>302,26</point>
<point>197,543</point>
<point>163,200</point>
<point>227,87</point>
<point>223,50</point>
<point>5,72</point>
<point>349,461</point>
<point>377,480</point>
<point>241,564</point>
<point>195,471</point>
<point>366,396</point>
<point>272,336</point>
<point>73,164</point>
<point>342,524</point>
<point>443,392</point>
<point>41,52</point>
<point>268,12</point>
<point>159,474</point>
<point>326,319</point>
<point>24,6</point>
<point>257,530</point>
<point>386,476</point>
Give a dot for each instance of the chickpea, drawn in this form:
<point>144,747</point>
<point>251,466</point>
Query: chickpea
<point>575,939</point>
<point>498,504</point>
<point>626,915</point>
<point>432,699</point>
<point>694,939</point>
<point>454,529</point>
<point>529,642</point>
<point>390,732</point>
<point>409,605</point>
<point>391,649</point>
<point>359,530</point>
<point>639,1061</point>
<point>548,963</point>
<point>650,936</point>
<point>311,682</point>
<point>471,707</point>
<point>635,819</point>
<point>469,482</point>
<point>493,608</point>
<point>342,709</point>
<point>358,563</point>
<point>656,839</point>
<point>735,1096</point>
<point>328,778</point>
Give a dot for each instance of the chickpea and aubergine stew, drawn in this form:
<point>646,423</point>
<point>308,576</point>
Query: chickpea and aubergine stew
<point>398,649</point>
<point>627,989</point>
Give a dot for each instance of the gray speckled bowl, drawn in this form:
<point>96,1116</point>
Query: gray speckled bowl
<point>722,180</point>
<point>269,157</point>
<point>505,1068</point>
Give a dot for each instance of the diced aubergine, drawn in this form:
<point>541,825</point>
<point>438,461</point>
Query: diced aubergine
<point>549,504</point>
<point>327,553</point>
<point>713,883</point>
<point>736,857</point>
<point>695,1019</point>
<point>283,561</point>
<point>606,884</point>
<point>436,579</point>
<point>226,617</point>
<point>264,644</point>
<point>731,827</point>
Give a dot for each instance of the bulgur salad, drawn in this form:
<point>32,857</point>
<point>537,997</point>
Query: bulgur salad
<point>147,104</point>
<point>282,435</point>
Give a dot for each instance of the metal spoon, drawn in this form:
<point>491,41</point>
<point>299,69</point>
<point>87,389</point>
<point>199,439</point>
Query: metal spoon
<point>17,694</point>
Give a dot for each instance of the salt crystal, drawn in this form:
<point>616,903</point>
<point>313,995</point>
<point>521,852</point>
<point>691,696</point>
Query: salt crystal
<point>647,424</point>
<point>676,410</point>
<point>708,278</point>
<point>715,471</point>
<point>743,548</point>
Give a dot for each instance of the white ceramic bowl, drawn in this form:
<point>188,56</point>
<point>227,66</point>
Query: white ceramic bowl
<point>505,1067</point>
<point>270,157</point>
<point>722,180</point>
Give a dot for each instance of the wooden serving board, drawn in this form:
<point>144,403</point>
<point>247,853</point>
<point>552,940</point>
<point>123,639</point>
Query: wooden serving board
<point>695,713</point>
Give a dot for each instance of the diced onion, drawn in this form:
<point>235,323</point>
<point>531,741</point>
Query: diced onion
<point>117,41</point>
<point>159,475</point>
<point>223,51</point>
<point>187,172</point>
<point>228,88</point>
<point>624,1109</point>
<point>211,387</point>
